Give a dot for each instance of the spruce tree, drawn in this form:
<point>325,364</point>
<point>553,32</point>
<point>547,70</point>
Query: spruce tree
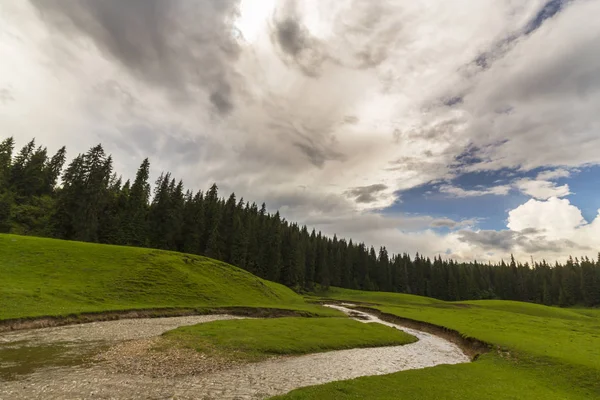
<point>53,169</point>
<point>193,223</point>
<point>6,196</point>
<point>135,218</point>
<point>273,248</point>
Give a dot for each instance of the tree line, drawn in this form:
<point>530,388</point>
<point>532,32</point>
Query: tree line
<point>87,201</point>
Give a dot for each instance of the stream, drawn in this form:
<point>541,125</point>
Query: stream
<point>67,373</point>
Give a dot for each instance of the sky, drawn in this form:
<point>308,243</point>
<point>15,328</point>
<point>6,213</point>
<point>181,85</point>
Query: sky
<point>457,128</point>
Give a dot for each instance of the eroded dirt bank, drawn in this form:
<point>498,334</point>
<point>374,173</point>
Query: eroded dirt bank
<point>18,324</point>
<point>101,380</point>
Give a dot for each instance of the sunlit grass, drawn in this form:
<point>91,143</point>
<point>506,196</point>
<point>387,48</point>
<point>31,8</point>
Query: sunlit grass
<point>47,277</point>
<point>255,340</point>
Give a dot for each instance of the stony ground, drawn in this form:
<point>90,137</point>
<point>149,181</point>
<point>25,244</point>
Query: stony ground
<point>117,360</point>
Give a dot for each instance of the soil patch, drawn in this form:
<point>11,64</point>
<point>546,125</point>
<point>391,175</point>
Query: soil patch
<point>155,357</point>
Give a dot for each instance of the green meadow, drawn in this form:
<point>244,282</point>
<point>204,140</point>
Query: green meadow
<point>255,340</point>
<point>538,352</point>
<point>48,277</point>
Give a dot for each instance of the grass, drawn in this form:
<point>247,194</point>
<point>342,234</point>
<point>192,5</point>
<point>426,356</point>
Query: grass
<point>376,297</point>
<point>490,378</point>
<point>255,340</point>
<point>544,352</point>
<point>590,312</point>
<point>568,340</point>
<point>48,277</point>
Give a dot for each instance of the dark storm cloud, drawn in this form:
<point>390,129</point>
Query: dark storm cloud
<point>366,194</point>
<point>291,36</point>
<point>179,45</point>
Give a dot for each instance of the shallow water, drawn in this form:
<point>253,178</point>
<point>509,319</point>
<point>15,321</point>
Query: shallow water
<point>250,381</point>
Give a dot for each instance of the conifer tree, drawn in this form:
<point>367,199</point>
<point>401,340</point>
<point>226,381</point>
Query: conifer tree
<point>53,169</point>
<point>239,245</point>
<point>135,217</point>
<point>193,223</point>
<point>6,196</point>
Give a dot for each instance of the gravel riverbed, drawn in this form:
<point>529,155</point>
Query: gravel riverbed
<point>118,367</point>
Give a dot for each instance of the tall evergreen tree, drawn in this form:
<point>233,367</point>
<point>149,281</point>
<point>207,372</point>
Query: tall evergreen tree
<point>6,196</point>
<point>135,218</point>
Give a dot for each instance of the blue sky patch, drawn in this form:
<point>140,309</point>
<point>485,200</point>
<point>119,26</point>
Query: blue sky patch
<point>491,210</point>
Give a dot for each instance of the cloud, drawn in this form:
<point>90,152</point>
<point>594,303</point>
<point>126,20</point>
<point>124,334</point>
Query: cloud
<point>552,229</point>
<point>551,175</point>
<point>366,194</point>
<point>6,96</point>
<point>521,243</point>
<point>542,189</point>
<point>297,43</point>
<point>317,155</point>
<point>358,34</point>
<point>550,95</point>
<point>291,36</point>
<point>557,218</point>
<point>155,40</point>
<point>452,224</point>
<point>489,240</point>
<point>454,191</point>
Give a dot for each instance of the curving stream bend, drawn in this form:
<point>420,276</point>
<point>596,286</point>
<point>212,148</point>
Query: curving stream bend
<point>248,381</point>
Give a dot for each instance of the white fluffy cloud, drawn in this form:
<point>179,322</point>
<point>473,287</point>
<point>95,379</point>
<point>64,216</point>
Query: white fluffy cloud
<point>541,189</point>
<point>553,174</point>
<point>556,218</point>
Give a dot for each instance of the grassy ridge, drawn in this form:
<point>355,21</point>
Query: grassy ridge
<point>47,277</point>
<point>255,340</point>
<point>546,352</point>
<point>377,297</point>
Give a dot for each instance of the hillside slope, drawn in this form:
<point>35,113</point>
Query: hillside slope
<point>48,277</point>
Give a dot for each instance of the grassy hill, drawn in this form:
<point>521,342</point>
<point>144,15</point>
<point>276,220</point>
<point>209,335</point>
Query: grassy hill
<point>48,277</point>
<point>542,352</point>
